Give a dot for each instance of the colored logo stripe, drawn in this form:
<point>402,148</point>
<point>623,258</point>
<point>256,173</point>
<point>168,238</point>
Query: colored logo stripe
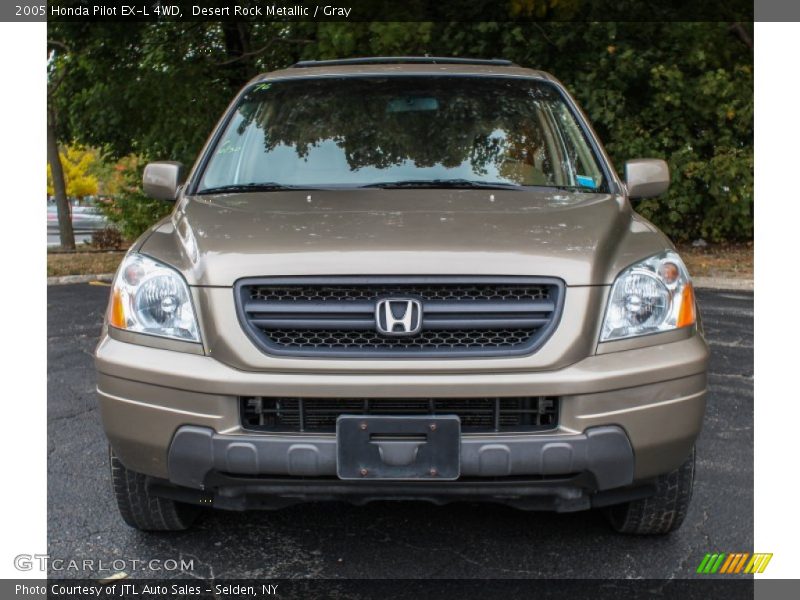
<point>733,563</point>
<point>711,563</point>
<point>727,564</point>
<point>740,566</point>
<point>758,563</point>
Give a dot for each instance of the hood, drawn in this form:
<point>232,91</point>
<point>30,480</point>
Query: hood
<point>583,239</point>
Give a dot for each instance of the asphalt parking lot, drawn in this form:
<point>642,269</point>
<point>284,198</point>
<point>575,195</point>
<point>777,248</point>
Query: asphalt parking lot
<point>393,540</point>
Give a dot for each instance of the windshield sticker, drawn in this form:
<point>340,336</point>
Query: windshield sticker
<point>228,148</point>
<point>585,181</point>
<point>262,87</point>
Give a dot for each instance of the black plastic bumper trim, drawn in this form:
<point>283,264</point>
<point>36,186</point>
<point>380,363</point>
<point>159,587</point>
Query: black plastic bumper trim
<point>603,452</point>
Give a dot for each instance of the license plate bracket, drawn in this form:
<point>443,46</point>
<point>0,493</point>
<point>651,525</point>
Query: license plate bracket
<point>396,448</point>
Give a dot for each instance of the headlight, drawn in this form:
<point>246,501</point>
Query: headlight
<point>649,297</point>
<point>150,297</point>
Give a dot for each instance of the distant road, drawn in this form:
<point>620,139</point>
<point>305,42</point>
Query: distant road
<point>80,238</point>
<point>85,220</point>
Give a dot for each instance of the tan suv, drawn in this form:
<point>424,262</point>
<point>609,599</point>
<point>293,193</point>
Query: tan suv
<point>399,278</point>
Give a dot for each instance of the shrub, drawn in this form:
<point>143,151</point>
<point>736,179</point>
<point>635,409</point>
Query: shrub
<point>128,208</point>
<point>107,239</point>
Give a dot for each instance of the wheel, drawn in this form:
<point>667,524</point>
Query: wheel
<point>143,511</point>
<point>661,513</point>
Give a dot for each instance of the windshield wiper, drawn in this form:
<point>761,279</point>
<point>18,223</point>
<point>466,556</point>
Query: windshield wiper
<point>240,188</point>
<point>583,189</point>
<point>445,183</point>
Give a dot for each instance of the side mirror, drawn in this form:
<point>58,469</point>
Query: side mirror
<point>646,177</point>
<point>161,180</point>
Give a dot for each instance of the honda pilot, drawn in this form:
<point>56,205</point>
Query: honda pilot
<point>409,278</point>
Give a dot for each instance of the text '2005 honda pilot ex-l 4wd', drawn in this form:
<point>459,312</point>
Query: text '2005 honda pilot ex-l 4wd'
<point>405,278</point>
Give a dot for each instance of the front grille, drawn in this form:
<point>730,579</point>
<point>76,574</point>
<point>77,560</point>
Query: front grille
<point>476,316</point>
<point>533,413</point>
<point>443,291</point>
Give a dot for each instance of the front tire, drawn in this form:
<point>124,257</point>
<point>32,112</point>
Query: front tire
<point>142,510</point>
<point>659,514</point>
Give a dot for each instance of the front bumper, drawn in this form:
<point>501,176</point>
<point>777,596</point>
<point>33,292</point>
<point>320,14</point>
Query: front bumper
<point>576,471</point>
<point>604,453</point>
<point>655,396</point>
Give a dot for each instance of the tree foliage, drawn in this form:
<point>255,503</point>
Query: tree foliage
<point>79,164</point>
<point>678,91</point>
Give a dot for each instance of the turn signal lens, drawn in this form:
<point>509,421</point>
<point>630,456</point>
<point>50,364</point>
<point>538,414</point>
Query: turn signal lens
<point>117,316</point>
<point>688,313</point>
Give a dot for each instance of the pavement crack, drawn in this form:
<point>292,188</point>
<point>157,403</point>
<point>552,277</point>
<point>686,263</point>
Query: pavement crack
<point>731,376</point>
<point>72,415</point>
<point>735,344</point>
<point>211,575</point>
<point>699,527</point>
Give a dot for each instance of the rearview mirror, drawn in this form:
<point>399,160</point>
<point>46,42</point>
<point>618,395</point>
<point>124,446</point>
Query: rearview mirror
<point>161,180</point>
<point>646,177</point>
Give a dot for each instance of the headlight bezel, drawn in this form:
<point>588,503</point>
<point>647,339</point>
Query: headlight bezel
<point>135,301</point>
<point>676,299</point>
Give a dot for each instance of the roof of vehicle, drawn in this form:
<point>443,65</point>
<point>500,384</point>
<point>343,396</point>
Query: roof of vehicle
<point>405,65</point>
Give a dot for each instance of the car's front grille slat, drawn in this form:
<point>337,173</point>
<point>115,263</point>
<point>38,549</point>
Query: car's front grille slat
<point>483,306</point>
<point>519,414</point>
<point>300,306</point>
<point>488,322</point>
<point>487,316</point>
<point>321,323</point>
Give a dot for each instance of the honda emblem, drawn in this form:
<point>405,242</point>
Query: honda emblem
<point>398,316</point>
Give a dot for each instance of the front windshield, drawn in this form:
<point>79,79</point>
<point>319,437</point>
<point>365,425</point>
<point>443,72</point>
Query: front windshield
<point>402,130</point>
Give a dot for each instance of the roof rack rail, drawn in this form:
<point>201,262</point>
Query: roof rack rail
<point>389,60</point>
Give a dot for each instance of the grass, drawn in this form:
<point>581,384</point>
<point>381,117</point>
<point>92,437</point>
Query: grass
<point>82,263</point>
<point>719,260</point>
